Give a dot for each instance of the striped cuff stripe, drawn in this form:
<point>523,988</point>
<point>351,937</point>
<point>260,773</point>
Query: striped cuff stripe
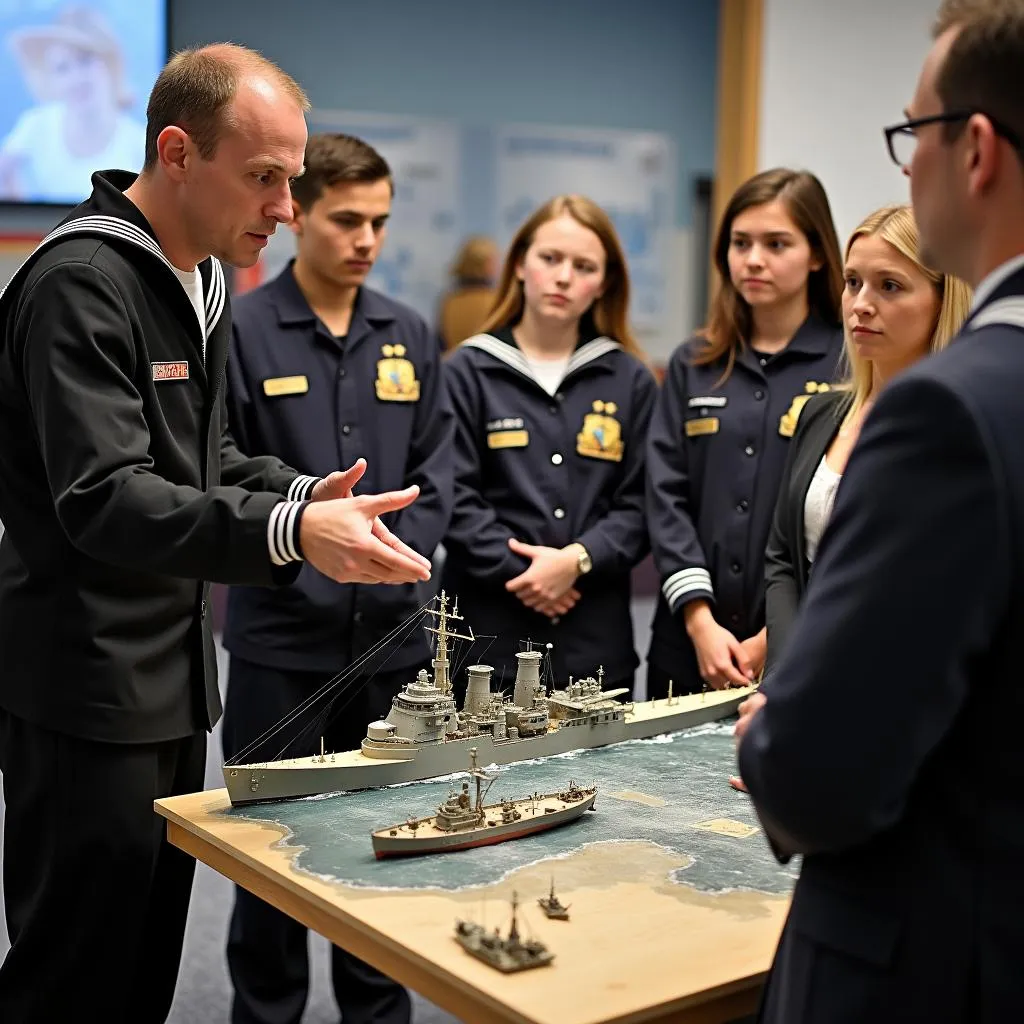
<point>685,582</point>
<point>302,487</point>
<point>281,532</point>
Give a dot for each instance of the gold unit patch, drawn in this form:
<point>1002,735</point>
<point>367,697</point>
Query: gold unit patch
<point>276,386</point>
<point>601,435</point>
<point>704,425</point>
<point>396,376</point>
<point>790,418</point>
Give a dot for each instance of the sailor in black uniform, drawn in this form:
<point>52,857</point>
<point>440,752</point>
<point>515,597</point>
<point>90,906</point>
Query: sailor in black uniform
<point>552,405</point>
<point>121,495</point>
<point>725,414</point>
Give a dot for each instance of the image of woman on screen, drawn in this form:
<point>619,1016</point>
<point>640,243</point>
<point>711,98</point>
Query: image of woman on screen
<point>74,69</point>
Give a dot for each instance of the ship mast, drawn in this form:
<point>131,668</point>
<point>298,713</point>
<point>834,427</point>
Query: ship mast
<point>444,634</point>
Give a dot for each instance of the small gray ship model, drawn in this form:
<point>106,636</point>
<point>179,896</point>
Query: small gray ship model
<point>464,821</point>
<point>507,954</point>
<point>425,735</point>
<point>553,906</point>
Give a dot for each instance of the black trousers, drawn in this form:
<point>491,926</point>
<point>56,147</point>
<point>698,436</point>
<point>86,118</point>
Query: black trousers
<point>268,952</point>
<point>96,897</point>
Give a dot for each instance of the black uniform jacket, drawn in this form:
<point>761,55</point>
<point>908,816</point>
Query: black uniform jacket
<point>321,402</point>
<point>889,750</point>
<point>118,488</point>
<point>786,566</point>
<point>714,459</point>
<point>548,470</point>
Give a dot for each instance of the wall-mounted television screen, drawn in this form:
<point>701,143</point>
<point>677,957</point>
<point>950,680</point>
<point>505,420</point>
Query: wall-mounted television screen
<point>74,80</point>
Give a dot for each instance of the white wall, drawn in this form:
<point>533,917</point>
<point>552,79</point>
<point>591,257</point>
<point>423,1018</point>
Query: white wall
<point>834,73</point>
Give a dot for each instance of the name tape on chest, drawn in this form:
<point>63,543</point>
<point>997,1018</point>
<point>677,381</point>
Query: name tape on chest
<point>702,426</point>
<point>507,432</point>
<point>298,384</point>
<point>172,370</point>
<point>708,402</point>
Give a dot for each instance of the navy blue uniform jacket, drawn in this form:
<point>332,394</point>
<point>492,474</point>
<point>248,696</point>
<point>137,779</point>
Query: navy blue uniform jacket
<point>714,459</point>
<point>889,750</point>
<point>119,488</point>
<point>548,470</point>
<point>320,403</point>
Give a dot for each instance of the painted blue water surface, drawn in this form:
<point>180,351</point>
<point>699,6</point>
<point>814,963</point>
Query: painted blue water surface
<point>688,770</point>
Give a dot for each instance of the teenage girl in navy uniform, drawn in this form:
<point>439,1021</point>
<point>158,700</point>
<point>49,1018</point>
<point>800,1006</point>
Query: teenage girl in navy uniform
<point>552,405</point>
<point>718,440</point>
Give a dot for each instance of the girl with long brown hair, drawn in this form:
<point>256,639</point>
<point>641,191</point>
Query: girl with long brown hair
<point>552,403</point>
<point>719,436</point>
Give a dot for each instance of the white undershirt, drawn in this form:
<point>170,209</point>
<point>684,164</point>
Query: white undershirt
<point>549,373</point>
<point>821,496</point>
<point>192,282</point>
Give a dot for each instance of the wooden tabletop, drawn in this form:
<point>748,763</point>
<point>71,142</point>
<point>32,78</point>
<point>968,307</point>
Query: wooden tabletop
<point>638,947</point>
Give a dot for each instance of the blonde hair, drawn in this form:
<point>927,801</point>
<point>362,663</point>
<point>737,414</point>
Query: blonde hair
<point>610,311</point>
<point>896,225</point>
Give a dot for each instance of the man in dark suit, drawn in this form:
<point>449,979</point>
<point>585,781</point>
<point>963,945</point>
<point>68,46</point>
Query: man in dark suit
<point>886,747</point>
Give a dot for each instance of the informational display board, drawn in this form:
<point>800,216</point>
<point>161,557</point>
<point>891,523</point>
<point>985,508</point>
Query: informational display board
<point>630,174</point>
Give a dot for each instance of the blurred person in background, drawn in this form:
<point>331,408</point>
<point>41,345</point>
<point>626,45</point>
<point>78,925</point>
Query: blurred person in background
<point>465,307</point>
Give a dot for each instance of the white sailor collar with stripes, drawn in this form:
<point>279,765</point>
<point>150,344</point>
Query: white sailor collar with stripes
<point>513,357</point>
<point>121,230</point>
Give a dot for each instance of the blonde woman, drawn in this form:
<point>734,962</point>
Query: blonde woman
<point>895,312</point>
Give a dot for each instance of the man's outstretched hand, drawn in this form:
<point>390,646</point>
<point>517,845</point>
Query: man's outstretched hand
<point>343,537</point>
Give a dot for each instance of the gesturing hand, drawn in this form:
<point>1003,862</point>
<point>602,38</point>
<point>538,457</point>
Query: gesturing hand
<point>344,539</point>
<point>339,484</point>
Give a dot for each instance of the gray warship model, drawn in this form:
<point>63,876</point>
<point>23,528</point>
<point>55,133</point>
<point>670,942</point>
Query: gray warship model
<point>425,735</point>
<point>553,906</point>
<point>507,954</point>
<point>463,821</point>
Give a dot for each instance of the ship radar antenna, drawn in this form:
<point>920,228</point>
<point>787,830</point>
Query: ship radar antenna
<point>444,634</point>
<point>600,675</point>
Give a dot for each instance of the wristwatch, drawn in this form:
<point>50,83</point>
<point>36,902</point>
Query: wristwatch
<point>583,561</point>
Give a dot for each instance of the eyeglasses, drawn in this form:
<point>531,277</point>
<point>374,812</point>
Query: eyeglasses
<point>902,138</point>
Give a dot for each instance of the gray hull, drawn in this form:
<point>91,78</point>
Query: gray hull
<point>484,835</point>
<point>285,780</point>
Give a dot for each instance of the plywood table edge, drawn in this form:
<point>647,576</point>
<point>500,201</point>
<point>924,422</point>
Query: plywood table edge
<point>405,965</point>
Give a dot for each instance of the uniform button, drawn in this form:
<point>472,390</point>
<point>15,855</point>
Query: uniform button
<point>735,567</point>
<point>555,621</point>
<point>743,506</point>
<point>357,618</point>
<point>346,429</point>
<point>552,409</point>
<point>559,397</point>
<point>763,361</point>
<point>759,394</point>
<point>749,450</point>
<point>556,459</point>
<point>342,372</point>
<point>734,619</point>
<point>559,513</point>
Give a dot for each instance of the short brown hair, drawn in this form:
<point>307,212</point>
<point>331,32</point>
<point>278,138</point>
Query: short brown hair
<point>730,323</point>
<point>982,70</point>
<point>333,157</point>
<point>195,89</point>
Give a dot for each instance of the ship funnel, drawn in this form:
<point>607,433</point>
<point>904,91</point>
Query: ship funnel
<point>478,690</point>
<point>527,678</point>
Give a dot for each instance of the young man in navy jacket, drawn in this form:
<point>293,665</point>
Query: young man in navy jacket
<point>322,368</point>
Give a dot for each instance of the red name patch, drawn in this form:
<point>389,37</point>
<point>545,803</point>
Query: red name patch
<point>171,371</point>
